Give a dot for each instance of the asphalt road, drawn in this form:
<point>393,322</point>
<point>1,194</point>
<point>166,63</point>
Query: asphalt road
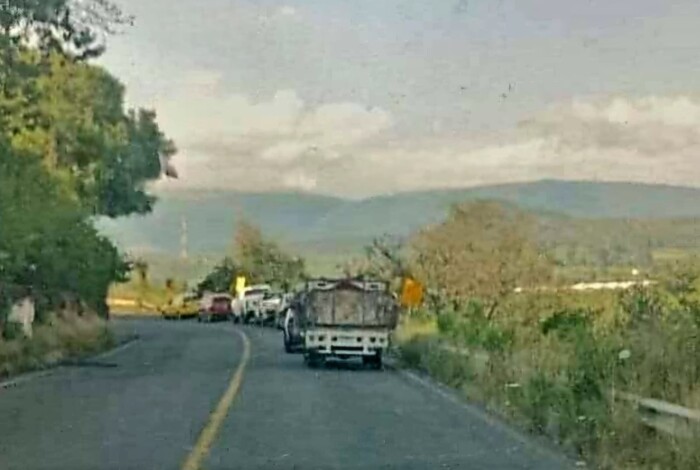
<point>144,406</point>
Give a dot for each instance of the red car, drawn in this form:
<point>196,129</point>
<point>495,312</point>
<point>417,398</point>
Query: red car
<point>214,307</point>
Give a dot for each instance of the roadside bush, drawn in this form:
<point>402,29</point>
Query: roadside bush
<point>630,445</point>
<point>664,349</point>
<point>553,367</point>
<point>47,247</point>
<point>58,339</point>
<point>427,355</point>
<point>549,357</point>
<point>12,331</point>
<point>471,327</point>
<point>412,352</point>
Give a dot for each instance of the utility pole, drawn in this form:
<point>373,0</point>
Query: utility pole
<point>183,238</point>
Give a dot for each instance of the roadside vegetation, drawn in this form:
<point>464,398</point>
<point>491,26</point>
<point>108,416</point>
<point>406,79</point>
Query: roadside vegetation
<point>69,152</point>
<point>256,258</point>
<point>550,359</point>
<point>57,339</point>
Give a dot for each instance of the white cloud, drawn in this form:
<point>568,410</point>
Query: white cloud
<point>282,13</point>
<point>647,139</point>
<point>231,141</point>
<point>299,180</point>
<point>288,10</point>
<point>678,111</point>
<point>343,123</point>
<point>650,127</point>
<point>285,151</point>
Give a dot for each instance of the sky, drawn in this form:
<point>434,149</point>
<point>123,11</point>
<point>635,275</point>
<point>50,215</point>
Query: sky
<point>365,97</point>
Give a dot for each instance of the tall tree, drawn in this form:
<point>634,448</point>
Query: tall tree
<point>47,247</point>
<point>262,260</point>
<point>73,117</point>
<point>72,27</point>
<point>68,150</point>
<point>483,250</point>
<point>71,113</point>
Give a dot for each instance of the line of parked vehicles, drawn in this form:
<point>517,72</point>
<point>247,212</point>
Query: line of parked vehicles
<point>257,304</point>
<point>321,319</point>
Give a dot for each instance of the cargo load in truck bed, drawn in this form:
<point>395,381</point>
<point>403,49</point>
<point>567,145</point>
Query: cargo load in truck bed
<point>350,303</point>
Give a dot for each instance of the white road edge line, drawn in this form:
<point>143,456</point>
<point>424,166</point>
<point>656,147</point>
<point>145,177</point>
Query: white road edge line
<point>25,378</point>
<point>29,376</point>
<point>125,345</point>
<point>483,416</point>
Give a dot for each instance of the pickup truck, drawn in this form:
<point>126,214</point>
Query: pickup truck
<point>345,318</point>
<point>247,306</point>
<point>270,305</point>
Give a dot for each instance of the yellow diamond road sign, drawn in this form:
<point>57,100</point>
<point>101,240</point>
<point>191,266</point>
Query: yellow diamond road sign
<point>411,293</point>
<point>240,284</point>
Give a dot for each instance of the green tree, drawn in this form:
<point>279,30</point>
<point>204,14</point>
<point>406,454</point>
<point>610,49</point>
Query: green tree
<point>71,113</point>
<point>68,150</point>
<point>47,247</point>
<point>221,277</point>
<point>386,258</point>
<point>484,251</point>
<point>73,27</point>
<point>261,260</point>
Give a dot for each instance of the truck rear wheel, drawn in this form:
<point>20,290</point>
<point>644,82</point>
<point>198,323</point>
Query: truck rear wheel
<point>313,360</point>
<point>375,362</point>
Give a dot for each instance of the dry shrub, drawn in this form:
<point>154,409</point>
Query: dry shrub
<point>60,337</point>
<point>554,372</point>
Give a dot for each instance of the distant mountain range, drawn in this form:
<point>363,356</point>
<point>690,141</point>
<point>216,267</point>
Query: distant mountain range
<point>321,223</point>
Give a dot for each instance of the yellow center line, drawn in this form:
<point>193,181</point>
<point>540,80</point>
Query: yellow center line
<point>206,437</point>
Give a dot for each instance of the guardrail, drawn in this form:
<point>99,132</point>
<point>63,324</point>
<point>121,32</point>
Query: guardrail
<point>665,417</point>
<point>668,418</point>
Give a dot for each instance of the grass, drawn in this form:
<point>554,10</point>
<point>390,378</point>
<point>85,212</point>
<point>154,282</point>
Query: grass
<point>674,254</point>
<point>147,297</point>
<point>60,338</point>
<point>548,362</point>
<point>413,327</point>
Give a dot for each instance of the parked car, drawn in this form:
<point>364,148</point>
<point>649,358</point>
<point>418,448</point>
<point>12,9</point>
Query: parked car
<point>215,307</point>
<point>271,305</point>
<point>180,307</point>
